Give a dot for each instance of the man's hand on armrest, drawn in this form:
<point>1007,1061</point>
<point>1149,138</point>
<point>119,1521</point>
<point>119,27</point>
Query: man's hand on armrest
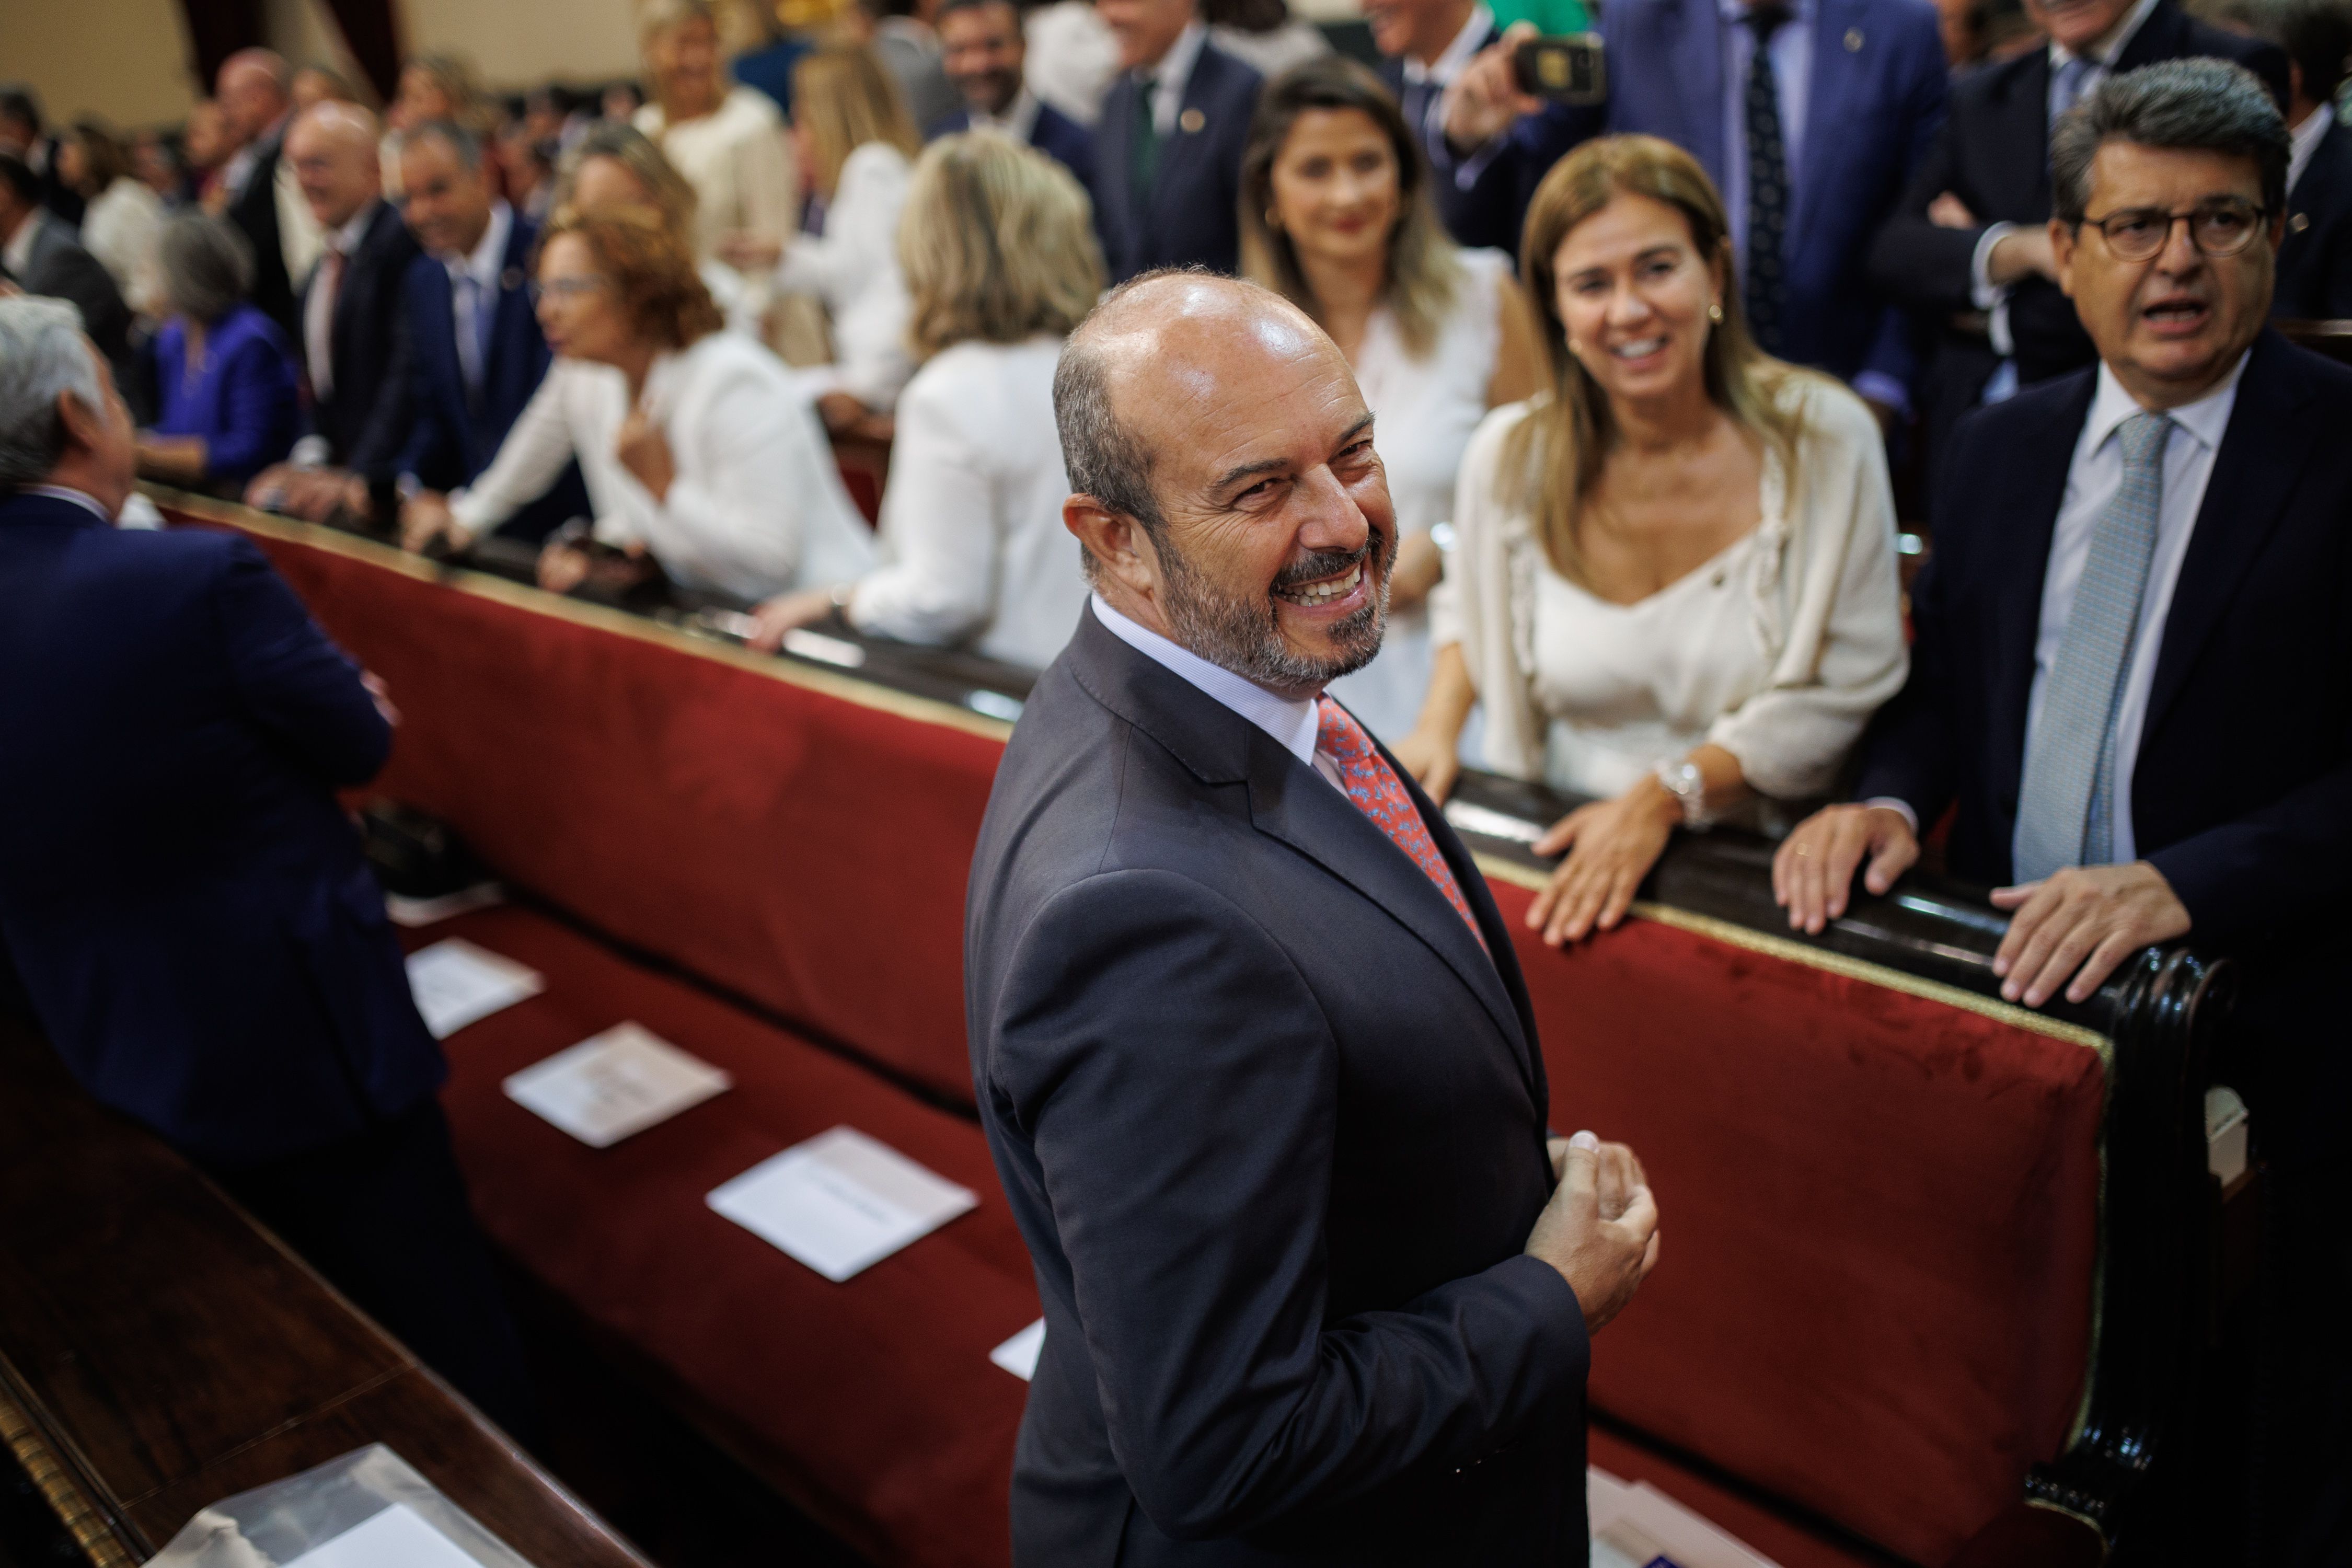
<point>2083,921</point>
<point>1600,1228</point>
<point>1812,871</point>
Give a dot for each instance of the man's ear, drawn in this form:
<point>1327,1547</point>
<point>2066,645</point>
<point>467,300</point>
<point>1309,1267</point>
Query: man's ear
<point>1116,541</point>
<point>2062,239</point>
<point>85,427</point>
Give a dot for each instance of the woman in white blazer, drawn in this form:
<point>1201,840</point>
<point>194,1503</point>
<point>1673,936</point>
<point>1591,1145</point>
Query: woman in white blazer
<point>727,140</point>
<point>1674,582</point>
<point>999,251</point>
<point>699,456</point>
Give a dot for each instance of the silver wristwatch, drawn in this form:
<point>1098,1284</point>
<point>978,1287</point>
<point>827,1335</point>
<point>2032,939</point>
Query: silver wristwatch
<point>1687,784</point>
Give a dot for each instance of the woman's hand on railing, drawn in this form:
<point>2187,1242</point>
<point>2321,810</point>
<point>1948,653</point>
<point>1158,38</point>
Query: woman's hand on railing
<point>1610,846</point>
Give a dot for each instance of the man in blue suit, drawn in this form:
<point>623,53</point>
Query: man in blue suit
<point>1252,1051</point>
<point>1168,150</point>
<point>2132,685</point>
<point>184,900</point>
<point>1808,117</point>
<point>1425,45</point>
<point>982,50</point>
<point>476,353</point>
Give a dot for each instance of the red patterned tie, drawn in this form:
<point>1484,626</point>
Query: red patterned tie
<point>1373,785</point>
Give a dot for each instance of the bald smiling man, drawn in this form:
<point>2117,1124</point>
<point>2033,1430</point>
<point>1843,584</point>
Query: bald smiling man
<point>1251,1049</point>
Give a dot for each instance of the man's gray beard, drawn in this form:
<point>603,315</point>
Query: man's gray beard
<point>1245,637</point>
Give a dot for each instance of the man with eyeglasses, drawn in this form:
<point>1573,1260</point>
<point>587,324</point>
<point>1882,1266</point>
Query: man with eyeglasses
<point>2132,686</point>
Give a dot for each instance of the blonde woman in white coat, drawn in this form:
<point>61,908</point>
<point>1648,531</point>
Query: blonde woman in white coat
<point>1673,587</point>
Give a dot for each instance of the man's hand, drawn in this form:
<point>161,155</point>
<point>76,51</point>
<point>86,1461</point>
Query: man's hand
<point>1947,211</point>
<point>1434,760</point>
<point>1813,872</point>
<point>645,451</point>
<point>562,568</point>
<point>1486,97</point>
<point>2082,921</point>
<point>426,517</point>
<point>786,612</point>
<point>1600,1228</point>
<point>381,695</point>
<point>1610,846</point>
<point>2021,253</point>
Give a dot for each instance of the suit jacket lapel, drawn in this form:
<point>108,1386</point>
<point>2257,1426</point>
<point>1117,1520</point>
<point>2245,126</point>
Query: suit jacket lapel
<point>2262,454</point>
<point>2024,519</point>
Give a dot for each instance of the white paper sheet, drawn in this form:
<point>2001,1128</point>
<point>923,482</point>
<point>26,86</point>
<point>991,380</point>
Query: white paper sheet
<point>396,1538</point>
<point>457,983</point>
<point>840,1202</point>
<point>1636,1525</point>
<point>614,1084</point>
<point>1018,1355</point>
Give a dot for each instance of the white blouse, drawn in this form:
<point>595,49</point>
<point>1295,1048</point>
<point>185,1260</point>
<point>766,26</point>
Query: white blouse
<point>853,266</point>
<point>121,229</point>
<point>736,161</point>
<point>1425,411</point>
<point>1779,650</point>
<point>757,506</point>
<point>973,549</point>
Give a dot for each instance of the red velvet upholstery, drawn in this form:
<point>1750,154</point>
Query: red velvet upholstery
<point>1880,1208</point>
<point>878,1393</point>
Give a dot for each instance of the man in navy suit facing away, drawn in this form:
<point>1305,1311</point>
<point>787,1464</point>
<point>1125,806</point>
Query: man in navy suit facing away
<point>1252,1053</point>
<point>185,903</point>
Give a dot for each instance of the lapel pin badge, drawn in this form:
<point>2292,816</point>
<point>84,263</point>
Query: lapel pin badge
<point>1191,122</point>
<point>2298,223</point>
<point>1854,40</point>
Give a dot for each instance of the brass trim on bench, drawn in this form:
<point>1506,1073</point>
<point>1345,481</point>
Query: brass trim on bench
<point>53,1477</point>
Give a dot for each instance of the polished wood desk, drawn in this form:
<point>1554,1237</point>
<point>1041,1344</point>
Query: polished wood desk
<point>159,1351</point>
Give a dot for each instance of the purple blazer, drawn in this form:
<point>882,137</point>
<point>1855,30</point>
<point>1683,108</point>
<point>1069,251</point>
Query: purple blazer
<point>243,399</point>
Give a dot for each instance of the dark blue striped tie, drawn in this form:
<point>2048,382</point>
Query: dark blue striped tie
<point>1768,184</point>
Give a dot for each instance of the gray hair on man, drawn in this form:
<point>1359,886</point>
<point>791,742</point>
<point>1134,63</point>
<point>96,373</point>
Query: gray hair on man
<point>2206,106</point>
<point>207,266</point>
<point>449,133</point>
<point>43,356</point>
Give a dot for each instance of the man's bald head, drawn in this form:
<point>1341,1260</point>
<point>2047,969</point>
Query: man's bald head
<point>1229,495</point>
<point>334,150</point>
<point>252,89</point>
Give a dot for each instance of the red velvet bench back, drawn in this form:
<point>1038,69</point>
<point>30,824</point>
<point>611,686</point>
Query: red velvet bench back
<point>1881,1196</point>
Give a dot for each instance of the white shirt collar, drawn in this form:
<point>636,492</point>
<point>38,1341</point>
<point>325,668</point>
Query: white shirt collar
<point>17,254</point>
<point>1455,55</point>
<point>1293,721</point>
<point>489,253</point>
<point>2307,137</point>
<point>1018,119</point>
<point>2207,419</point>
<point>347,239</point>
<point>1175,68</point>
<point>79,497</point>
<point>2105,52</point>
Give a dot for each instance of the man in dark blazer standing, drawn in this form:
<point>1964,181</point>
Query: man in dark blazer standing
<point>2132,682</point>
<point>40,255</point>
<point>355,352</point>
<point>1168,149</point>
<point>2314,261</point>
<point>1251,1047</point>
<point>184,900</point>
<point>982,50</point>
<point>1965,248</point>
<point>476,352</point>
<point>1424,45</point>
<point>252,90</point>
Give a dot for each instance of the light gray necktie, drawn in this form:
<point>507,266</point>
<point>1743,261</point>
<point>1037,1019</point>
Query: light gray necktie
<point>2066,87</point>
<point>469,331</point>
<point>2065,809</point>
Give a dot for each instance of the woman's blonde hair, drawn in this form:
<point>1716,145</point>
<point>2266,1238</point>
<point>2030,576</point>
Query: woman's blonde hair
<point>1423,268</point>
<point>1557,452</point>
<point>651,268</point>
<point>842,98</point>
<point>671,193</point>
<point>997,244</point>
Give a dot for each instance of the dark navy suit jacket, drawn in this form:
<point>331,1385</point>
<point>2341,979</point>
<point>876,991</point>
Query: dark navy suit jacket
<point>1487,212</point>
<point>1272,1122</point>
<point>365,418</point>
<point>1192,216</point>
<point>2242,792</point>
<point>453,434</point>
<point>185,902</point>
<point>1056,134</point>
<point>2314,259</point>
<point>1873,104</point>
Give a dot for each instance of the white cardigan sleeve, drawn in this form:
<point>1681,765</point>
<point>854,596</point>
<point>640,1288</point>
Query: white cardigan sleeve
<point>1843,655</point>
<point>733,511</point>
<point>940,529</point>
<point>861,232</point>
<point>532,457</point>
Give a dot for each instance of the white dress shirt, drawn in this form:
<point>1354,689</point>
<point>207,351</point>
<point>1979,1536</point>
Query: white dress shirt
<point>122,228</point>
<point>973,549</point>
<point>2092,480</point>
<point>318,301</point>
<point>81,498</point>
<point>17,254</point>
<point>2307,138</point>
<point>1293,721</point>
<point>1019,119</point>
<point>1169,79</point>
<point>757,506</point>
<point>474,289</point>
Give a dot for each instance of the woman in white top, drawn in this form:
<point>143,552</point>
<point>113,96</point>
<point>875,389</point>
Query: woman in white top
<point>1674,586</point>
<point>618,165</point>
<point>727,140</point>
<point>857,147</point>
<point>999,249</point>
<point>698,458</point>
<point>123,220</point>
<point>1335,216</point>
